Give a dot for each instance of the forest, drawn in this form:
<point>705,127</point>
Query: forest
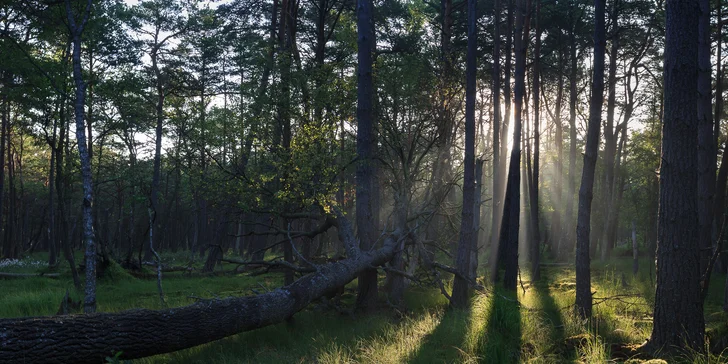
<point>340,181</point>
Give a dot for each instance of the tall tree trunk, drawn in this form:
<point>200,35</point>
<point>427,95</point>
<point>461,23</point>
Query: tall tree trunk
<point>63,231</point>
<point>610,136</point>
<point>477,203</point>
<point>678,314</point>
<point>367,288</point>
<point>718,73</point>
<point>496,195</point>
<point>510,229</point>
<point>9,237</point>
<point>52,251</point>
<point>286,35</point>
<point>586,191</point>
<point>559,165</point>
<point>535,233</point>
<point>154,235</point>
<point>567,238</point>
<point>5,115</point>
<point>507,94</point>
<point>706,140</point>
<point>635,252</point>
<point>461,288</point>
<point>77,28</point>
<point>719,192</point>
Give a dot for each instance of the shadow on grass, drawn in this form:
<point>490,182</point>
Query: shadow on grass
<point>551,310</point>
<point>502,341</point>
<point>444,343</point>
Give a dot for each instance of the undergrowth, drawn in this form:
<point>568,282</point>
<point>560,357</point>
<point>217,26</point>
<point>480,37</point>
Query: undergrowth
<point>535,324</point>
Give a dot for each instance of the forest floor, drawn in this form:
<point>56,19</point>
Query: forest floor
<point>536,324</point>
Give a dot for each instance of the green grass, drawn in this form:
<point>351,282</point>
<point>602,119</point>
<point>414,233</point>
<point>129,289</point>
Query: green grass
<point>537,325</point>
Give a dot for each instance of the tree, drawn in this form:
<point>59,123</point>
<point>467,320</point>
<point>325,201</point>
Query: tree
<point>512,205</point>
<point>610,135</point>
<point>461,290</point>
<point>586,191</point>
<point>535,233</point>
<point>496,90</point>
<point>367,291</point>
<point>678,314</point>
<point>76,28</point>
<point>566,246</point>
<point>706,141</point>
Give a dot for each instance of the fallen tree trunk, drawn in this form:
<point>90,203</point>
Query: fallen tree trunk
<point>170,268</point>
<point>140,333</point>
<point>28,275</point>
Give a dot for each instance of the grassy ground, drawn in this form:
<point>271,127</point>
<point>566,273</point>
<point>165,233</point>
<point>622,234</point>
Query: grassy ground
<point>534,325</point>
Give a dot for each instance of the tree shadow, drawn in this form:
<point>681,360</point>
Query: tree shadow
<point>502,341</point>
<point>551,316</point>
<point>444,343</point>
<point>551,310</point>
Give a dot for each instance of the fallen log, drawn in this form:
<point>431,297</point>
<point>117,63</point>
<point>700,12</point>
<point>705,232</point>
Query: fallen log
<point>140,333</point>
<point>28,275</point>
<point>170,268</point>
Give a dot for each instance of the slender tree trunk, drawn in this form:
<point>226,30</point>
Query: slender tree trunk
<point>678,314</point>
<point>88,233</point>
<point>63,231</point>
<point>496,195</point>
<point>567,238</point>
<point>635,252</point>
<point>477,203</point>
<point>559,165</point>
<point>5,114</point>
<point>610,137</point>
<point>52,251</point>
<point>535,233</point>
<point>9,237</point>
<point>586,191</point>
<point>367,288</point>
<point>461,289</point>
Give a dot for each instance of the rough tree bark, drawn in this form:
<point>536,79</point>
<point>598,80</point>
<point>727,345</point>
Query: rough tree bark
<point>706,140</point>
<point>461,289</point>
<point>678,314</point>
<point>586,191</point>
<point>367,289</point>
<point>76,27</point>
<point>512,205</point>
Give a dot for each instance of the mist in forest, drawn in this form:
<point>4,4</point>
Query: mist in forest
<point>357,181</point>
